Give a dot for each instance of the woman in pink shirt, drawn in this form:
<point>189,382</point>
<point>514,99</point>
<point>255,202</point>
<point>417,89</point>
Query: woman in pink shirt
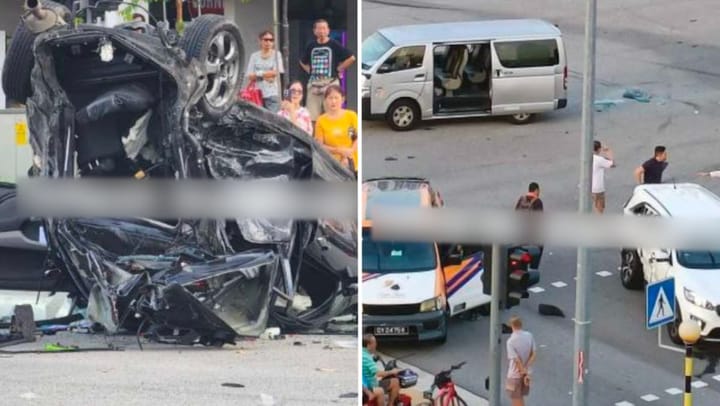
<point>293,110</point>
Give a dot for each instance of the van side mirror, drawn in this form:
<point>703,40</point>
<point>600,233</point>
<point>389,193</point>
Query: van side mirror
<point>454,259</point>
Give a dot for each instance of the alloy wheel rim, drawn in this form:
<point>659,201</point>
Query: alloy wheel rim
<point>223,69</point>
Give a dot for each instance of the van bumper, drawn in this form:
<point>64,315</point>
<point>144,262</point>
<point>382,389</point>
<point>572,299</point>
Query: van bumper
<point>562,103</point>
<point>421,326</point>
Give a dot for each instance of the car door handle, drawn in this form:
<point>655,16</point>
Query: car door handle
<point>420,76</point>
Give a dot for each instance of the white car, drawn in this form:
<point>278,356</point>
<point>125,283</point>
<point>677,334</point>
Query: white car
<point>696,273</point>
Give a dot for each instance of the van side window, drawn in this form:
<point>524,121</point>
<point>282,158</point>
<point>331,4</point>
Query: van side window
<point>528,54</point>
<point>405,58</point>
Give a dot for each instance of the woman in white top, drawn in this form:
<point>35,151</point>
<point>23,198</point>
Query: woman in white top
<point>264,68</point>
<point>293,110</point>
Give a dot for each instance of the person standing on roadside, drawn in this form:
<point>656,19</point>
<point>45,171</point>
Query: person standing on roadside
<point>531,202</point>
<point>651,170</point>
<point>325,60</point>
<point>602,159</point>
<point>264,68</point>
<point>521,355</point>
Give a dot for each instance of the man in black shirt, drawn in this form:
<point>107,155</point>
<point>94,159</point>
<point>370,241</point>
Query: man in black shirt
<point>651,170</point>
<point>531,202</point>
<point>325,60</point>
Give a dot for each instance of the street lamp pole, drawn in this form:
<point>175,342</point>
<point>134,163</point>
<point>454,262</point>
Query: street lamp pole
<point>583,291</point>
<point>690,333</point>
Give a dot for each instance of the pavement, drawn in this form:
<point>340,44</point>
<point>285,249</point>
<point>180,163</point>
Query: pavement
<point>300,370</point>
<point>666,48</point>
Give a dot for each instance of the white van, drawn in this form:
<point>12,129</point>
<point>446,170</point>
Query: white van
<point>463,69</point>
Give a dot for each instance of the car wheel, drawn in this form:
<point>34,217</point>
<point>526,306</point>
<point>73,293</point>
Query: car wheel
<point>521,118</point>
<point>673,328</point>
<point>403,115</point>
<point>631,270</point>
<point>19,59</point>
<point>216,43</point>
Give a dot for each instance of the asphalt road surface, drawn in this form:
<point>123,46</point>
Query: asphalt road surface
<point>666,48</point>
<point>303,370</point>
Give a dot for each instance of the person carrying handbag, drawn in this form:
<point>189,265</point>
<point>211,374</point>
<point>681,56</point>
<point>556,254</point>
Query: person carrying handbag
<point>263,72</point>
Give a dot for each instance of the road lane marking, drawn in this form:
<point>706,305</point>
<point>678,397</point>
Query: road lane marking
<point>673,391</point>
<point>559,284</point>
<point>536,289</point>
<point>604,274</point>
<point>699,384</point>
<point>649,397</point>
<point>624,403</point>
<point>717,378</point>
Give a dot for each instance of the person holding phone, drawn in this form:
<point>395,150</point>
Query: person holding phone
<point>336,129</point>
<point>292,109</point>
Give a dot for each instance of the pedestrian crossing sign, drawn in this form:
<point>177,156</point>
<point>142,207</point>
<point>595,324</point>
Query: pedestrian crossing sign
<point>660,303</point>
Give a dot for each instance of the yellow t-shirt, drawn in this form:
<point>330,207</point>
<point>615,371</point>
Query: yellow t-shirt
<point>333,132</point>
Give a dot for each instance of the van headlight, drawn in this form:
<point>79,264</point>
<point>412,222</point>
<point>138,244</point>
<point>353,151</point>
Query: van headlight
<point>431,305</point>
<point>697,300</point>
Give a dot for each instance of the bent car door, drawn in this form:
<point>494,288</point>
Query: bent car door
<point>464,281</point>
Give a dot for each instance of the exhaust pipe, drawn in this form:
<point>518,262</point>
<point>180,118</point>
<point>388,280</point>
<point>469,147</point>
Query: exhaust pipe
<point>36,9</point>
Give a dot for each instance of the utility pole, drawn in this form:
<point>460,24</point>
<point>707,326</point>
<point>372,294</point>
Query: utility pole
<point>582,292</point>
<point>285,44</point>
<point>496,310</point>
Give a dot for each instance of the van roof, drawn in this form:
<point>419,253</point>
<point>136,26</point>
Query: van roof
<point>395,192</point>
<point>683,200</point>
<point>461,31</point>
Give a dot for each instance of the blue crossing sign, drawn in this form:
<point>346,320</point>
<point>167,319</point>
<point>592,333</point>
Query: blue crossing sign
<point>660,303</point>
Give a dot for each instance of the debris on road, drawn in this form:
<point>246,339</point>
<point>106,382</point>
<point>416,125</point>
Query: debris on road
<point>637,95</point>
<point>550,310</point>
<point>267,400</point>
<point>606,104</point>
<point>232,385</point>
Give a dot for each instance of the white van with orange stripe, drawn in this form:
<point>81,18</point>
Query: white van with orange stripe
<point>410,289</point>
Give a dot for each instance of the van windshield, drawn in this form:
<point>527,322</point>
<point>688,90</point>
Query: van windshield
<point>395,256</point>
<point>373,48</point>
<point>699,259</point>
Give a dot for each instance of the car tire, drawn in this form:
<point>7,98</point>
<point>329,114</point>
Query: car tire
<point>631,270</point>
<point>521,118</point>
<point>403,115</point>
<point>673,328</point>
<point>19,59</point>
<point>217,44</point>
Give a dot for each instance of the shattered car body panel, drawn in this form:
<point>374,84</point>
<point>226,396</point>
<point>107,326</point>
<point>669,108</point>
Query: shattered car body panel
<point>186,281</point>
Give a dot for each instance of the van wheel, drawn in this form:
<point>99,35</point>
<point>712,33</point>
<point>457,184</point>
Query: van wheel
<point>521,118</point>
<point>631,270</point>
<point>403,115</point>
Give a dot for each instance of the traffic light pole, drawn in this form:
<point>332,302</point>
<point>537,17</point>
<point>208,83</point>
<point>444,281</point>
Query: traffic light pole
<point>497,305</point>
<point>582,292</point>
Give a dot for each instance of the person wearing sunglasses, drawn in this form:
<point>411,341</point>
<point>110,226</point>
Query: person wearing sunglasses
<point>292,109</point>
<point>264,68</point>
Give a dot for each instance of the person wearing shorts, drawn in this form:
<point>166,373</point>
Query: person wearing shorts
<point>521,355</point>
<point>602,160</point>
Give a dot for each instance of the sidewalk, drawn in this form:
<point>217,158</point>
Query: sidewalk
<point>425,380</point>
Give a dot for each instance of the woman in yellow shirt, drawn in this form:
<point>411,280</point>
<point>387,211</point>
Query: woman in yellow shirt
<point>336,129</point>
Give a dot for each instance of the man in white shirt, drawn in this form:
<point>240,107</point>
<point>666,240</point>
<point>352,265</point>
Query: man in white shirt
<point>602,159</point>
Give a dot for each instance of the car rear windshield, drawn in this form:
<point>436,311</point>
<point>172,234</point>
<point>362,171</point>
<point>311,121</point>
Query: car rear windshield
<point>395,256</point>
<point>528,54</point>
<point>373,48</point>
<point>699,259</point>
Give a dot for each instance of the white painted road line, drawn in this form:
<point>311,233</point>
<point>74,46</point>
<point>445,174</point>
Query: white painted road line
<point>699,384</point>
<point>604,274</point>
<point>559,284</point>
<point>624,403</point>
<point>717,378</point>
<point>536,289</point>
<point>673,391</point>
<point>649,397</point>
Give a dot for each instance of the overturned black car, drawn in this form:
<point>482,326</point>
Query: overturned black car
<point>140,102</point>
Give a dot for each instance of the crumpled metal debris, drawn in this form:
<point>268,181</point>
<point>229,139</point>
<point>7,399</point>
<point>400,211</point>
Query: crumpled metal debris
<point>638,95</point>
